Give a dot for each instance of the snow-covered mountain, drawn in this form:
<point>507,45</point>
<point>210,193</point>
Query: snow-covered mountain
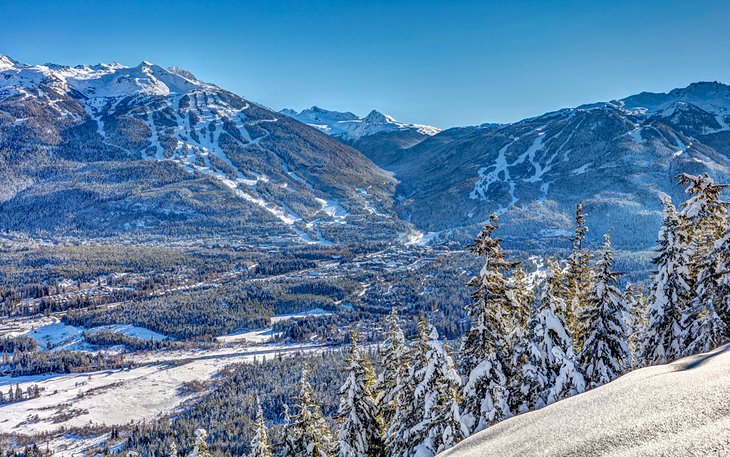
<point>109,147</point>
<point>349,127</point>
<point>681,409</point>
<point>613,155</point>
<point>380,137</point>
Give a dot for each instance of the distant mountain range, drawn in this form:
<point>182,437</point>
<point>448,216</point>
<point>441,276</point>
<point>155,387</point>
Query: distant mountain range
<point>108,149</point>
<point>380,137</point>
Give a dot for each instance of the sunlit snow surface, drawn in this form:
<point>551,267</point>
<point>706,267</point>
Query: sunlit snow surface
<point>681,409</point>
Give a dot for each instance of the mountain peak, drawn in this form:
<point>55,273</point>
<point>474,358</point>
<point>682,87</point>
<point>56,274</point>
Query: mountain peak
<point>376,117</point>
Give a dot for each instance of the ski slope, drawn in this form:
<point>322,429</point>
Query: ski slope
<point>680,409</point>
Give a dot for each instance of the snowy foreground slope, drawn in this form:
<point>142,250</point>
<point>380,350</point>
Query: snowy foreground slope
<point>680,409</point>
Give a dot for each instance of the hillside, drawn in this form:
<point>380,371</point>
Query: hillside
<point>680,409</point>
<point>104,149</point>
<point>615,156</point>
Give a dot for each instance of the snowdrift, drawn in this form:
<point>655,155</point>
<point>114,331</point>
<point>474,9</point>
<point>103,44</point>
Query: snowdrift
<point>680,409</point>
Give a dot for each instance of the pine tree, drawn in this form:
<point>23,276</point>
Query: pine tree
<point>704,330</point>
<point>637,303</point>
<point>289,444</point>
<point>552,339</point>
<point>605,355</point>
<point>201,446</point>
<point>662,340</point>
<point>577,278</point>
<point>722,269</point>
<point>396,363</point>
<point>402,438</point>
<point>361,426</point>
<point>705,215</point>
<point>437,394</point>
<point>485,358</point>
<point>312,433</point>
<point>705,212</point>
<point>260,444</point>
<point>534,381</point>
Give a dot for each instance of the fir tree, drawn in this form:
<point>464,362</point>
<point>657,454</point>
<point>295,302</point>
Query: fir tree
<point>552,339</point>
<point>260,444</point>
<point>534,381</point>
<point>662,340</point>
<point>201,445</point>
<point>395,363</point>
<point>402,438</point>
<point>289,444</point>
<point>577,278</point>
<point>437,394</point>
<point>485,346</point>
<point>360,423</point>
<point>721,302</point>
<point>704,330</point>
<point>605,355</point>
<point>705,212</point>
<point>637,304</point>
<point>311,431</point>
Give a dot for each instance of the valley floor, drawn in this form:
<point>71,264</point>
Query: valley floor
<point>680,409</point>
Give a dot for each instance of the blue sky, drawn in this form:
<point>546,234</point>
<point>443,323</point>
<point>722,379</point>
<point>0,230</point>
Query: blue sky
<point>445,63</point>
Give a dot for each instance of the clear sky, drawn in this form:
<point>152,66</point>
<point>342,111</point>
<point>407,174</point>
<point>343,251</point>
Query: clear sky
<point>444,63</point>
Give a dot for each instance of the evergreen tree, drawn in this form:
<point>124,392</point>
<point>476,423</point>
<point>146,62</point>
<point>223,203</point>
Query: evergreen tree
<point>402,437</point>
<point>704,330</point>
<point>577,278</point>
<point>361,426</point>
<point>484,352</point>
<point>534,381</point>
<point>201,445</point>
<point>437,395</point>
<point>605,355</point>
<point>637,303</point>
<point>705,216</point>
<point>552,340</point>
<point>662,340</point>
<point>289,444</point>
<point>260,444</point>
<point>396,363</point>
<point>721,302</point>
<point>311,431</point>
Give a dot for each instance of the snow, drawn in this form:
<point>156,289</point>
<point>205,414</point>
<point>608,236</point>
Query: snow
<point>681,409</point>
<point>350,127</point>
<point>116,397</point>
<point>51,331</point>
<point>264,335</point>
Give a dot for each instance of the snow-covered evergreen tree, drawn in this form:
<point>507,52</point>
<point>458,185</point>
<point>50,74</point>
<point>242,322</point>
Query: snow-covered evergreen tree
<point>201,444</point>
<point>577,278</point>
<point>260,444</point>
<point>437,395</point>
<point>605,355</point>
<point>550,337</point>
<point>361,427</point>
<point>722,269</point>
<point>395,362</point>
<point>289,443</point>
<point>312,433</point>
<point>485,346</point>
<point>662,340</point>
<point>534,379</point>
<point>637,304</point>
<point>705,212</point>
<point>703,328</point>
<point>401,436</point>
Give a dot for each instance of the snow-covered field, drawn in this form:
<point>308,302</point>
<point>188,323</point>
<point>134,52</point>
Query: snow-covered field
<point>680,409</point>
<point>116,397</point>
<point>264,335</point>
<point>50,332</point>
